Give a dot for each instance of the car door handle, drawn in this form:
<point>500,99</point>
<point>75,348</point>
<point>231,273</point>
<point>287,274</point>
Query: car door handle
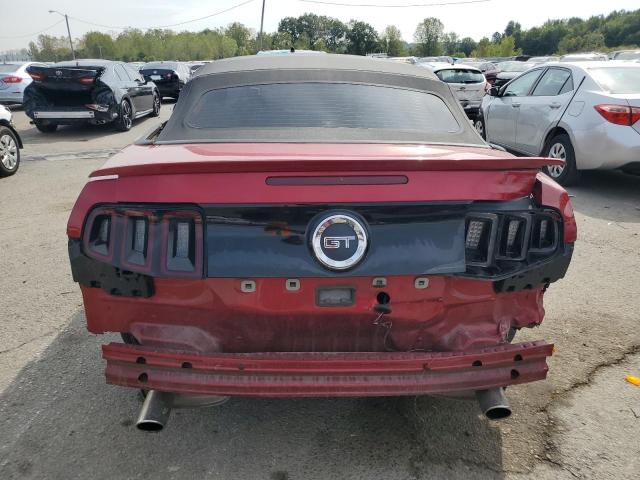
<point>555,105</point>
<point>515,105</point>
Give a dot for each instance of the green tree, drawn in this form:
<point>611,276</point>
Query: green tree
<point>450,43</point>
<point>50,49</point>
<point>391,42</point>
<point>361,38</point>
<point>467,45</point>
<point>242,36</point>
<point>486,48</point>
<point>98,45</point>
<point>428,37</point>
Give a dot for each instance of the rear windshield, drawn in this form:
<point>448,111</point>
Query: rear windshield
<point>160,66</point>
<point>514,66</point>
<point>8,67</point>
<point>617,80</point>
<point>323,106</point>
<point>460,76</point>
<point>628,56</point>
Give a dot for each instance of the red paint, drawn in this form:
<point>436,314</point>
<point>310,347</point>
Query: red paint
<point>333,351</point>
<point>286,157</point>
<point>210,315</point>
<point>327,374</point>
<point>549,193</point>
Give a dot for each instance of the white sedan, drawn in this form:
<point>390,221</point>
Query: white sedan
<point>587,113</point>
<point>10,144</point>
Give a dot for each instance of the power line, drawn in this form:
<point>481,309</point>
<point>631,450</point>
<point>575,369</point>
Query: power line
<point>380,5</point>
<point>35,33</point>
<point>118,27</point>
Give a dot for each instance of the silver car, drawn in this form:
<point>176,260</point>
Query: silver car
<point>467,83</point>
<point>10,144</point>
<point>587,113</point>
<point>13,80</point>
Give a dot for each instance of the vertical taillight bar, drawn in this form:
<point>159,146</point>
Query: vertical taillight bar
<point>182,244</point>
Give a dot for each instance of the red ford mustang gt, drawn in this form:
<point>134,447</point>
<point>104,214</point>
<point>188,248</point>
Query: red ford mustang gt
<point>318,226</point>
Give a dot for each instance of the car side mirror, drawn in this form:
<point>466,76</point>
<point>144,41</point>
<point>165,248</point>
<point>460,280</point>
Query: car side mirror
<point>494,91</point>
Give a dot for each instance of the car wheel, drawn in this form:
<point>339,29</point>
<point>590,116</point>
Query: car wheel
<point>9,152</point>
<point>125,119</point>
<point>560,147</point>
<point>478,124</point>
<point>156,106</point>
<point>46,127</point>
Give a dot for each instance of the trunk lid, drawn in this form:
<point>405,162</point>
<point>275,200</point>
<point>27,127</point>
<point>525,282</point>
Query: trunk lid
<point>66,89</point>
<point>67,79</point>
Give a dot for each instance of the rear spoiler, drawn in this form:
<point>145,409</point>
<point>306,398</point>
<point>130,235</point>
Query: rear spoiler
<point>84,75</point>
<point>194,159</point>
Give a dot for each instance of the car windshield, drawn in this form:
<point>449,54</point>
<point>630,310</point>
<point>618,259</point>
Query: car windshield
<point>514,66</point>
<point>8,67</point>
<point>617,80</point>
<point>628,56</point>
<point>459,75</point>
<point>320,106</point>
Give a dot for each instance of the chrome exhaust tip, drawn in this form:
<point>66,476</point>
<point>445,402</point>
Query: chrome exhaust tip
<point>155,411</point>
<point>493,403</point>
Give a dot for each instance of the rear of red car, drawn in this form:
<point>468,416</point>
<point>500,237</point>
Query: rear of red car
<point>342,251</point>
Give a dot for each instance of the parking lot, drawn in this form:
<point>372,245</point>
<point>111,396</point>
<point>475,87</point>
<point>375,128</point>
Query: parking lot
<point>60,420</point>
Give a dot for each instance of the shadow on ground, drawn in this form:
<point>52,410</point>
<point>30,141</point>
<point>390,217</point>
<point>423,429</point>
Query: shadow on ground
<point>609,195</point>
<point>60,421</point>
<point>83,132</point>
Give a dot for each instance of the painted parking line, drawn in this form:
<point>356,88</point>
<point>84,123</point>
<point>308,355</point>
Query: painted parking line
<point>72,155</point>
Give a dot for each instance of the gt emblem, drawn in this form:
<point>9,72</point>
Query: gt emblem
<point>58,73</point>
<point>334,242</point>
<point>339,241</point>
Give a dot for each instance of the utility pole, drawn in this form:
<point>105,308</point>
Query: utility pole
<point>100,48</point>
<point>66,18</point>
<point>261,26</point>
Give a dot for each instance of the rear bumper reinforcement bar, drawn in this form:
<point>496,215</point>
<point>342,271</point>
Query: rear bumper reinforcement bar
<point>325,374</point>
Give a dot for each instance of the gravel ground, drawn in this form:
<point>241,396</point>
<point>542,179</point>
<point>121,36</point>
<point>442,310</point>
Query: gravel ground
<point>61,421</point>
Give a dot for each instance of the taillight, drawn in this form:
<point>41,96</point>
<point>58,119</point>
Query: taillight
<point>88,80</point>
<point>544,234</point>
<point>97,107</point>
<point>159,242</point>
<point>479,239</point>
<point>183,234</point>
<point>36,76</point>
<point>98,238</point>
<point>493,239</point>
<point>12,79</point>
<point>513,239</point>
<point>619,114</point>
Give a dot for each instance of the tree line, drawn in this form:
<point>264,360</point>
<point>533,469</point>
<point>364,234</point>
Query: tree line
<point>619,29</point>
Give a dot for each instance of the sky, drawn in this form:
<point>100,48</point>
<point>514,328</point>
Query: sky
<point>22,20</point>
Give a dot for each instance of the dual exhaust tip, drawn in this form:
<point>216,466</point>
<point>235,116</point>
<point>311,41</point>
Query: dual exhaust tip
<point>157,406</point>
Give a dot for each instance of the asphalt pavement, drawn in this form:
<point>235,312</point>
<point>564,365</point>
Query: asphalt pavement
<point>59,420</point>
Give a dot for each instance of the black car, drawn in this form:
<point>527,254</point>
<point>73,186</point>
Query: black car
<point>509,70</point>
<point>91,91</point>
<point>170,77</point>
